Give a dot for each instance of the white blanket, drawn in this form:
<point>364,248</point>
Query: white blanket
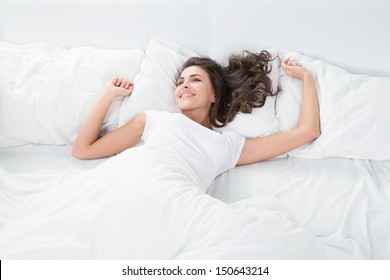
<point>117,211</point>
<point>344,203</point>
<point>279,209</point>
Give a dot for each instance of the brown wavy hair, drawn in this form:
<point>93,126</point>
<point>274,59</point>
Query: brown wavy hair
<point>239,87</point>
<point>248,82</point>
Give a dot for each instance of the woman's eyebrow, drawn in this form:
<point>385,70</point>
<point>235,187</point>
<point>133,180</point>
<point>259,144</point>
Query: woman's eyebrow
<point>192,75</point>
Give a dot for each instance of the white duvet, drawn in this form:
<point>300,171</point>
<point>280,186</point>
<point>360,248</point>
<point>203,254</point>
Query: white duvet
<point>104,214</point>
<point>344,203</point>
<point>279,209</point>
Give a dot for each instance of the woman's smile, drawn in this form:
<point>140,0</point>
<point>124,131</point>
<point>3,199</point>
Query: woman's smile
<point>186,94</point>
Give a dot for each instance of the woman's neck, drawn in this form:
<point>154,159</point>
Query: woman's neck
<point>196,116</point>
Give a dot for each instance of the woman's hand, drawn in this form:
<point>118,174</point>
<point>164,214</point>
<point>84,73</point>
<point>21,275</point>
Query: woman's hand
<point>294,70</point>
<point>89,144</point>
<point>118,87</point>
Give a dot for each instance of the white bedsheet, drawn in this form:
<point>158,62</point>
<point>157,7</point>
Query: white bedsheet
<point>279,209</point>
<point>344,203</point>
<point>29,170</point>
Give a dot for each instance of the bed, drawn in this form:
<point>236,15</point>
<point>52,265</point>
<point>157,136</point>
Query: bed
<point>327,200</point>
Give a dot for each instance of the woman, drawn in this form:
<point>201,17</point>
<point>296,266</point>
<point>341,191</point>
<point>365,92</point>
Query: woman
<point>202,95</point>
<point>150,201</point>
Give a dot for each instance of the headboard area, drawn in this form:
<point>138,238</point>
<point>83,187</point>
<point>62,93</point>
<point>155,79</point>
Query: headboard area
<point>352,34</point>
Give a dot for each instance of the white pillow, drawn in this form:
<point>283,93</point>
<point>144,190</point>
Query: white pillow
<point>154,86</point>
<point>260,122</point>
<point>46,91</point>
<point>354,111</point>
<point>275,64</point>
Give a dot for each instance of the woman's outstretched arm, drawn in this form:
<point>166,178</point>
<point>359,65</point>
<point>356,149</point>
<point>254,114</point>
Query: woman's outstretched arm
<point>88,145</point>
<point>308,129</point>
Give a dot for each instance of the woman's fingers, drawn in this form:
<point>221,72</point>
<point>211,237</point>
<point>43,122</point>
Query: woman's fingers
<point>121,82</point>
<point>293,69</point>
<point>289,62</point>
<point>120,87</point>
<point>114,81</point>
<point>128,85</point>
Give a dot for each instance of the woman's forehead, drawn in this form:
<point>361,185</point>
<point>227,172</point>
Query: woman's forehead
<point>193,71</point>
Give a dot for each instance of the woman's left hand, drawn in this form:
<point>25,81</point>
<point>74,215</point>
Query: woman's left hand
<point>294,70</point>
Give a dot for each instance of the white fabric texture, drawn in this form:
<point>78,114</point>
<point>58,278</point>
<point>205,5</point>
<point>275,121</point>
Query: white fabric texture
<point>46,91</point>
<point>344,203</point>
<point>261,122</point>
<point>132,208</point>
<point>354,111</point>
<point>278,209</point>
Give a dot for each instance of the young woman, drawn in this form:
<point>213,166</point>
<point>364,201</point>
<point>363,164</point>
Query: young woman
<point>150,201</point>
<point>208,95</point>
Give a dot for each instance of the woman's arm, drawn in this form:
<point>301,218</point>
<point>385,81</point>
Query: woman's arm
<point>258,149</point>
<point>88,145</point>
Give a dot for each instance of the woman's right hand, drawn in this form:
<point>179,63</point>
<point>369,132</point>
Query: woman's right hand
<point>89,144</point>
<point>294,70</point>
<point>118,87</point>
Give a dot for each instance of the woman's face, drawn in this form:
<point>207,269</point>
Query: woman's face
<point>194,90</point>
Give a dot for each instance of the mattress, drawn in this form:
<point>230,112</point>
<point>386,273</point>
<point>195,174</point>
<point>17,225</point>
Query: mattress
<point>343,204</point>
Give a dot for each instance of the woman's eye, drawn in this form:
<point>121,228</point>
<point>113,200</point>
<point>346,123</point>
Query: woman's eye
<point>180,82</point>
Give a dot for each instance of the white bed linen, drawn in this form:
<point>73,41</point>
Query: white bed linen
<point>344,203</point>
<point>283,208</point>
<point>29,170</point>
<point>154,214</point>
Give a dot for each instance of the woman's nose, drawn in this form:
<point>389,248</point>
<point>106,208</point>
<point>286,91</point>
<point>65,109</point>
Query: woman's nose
<point>186,84</point>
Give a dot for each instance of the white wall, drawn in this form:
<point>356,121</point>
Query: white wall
<point>106,23</point>
<point>353,34</point>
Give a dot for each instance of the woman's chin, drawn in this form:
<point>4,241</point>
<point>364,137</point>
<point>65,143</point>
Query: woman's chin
<point>184,106</point>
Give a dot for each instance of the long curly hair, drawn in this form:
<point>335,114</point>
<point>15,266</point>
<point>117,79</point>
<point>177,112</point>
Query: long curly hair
<point>239,87</point>
<point>248,82</point>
